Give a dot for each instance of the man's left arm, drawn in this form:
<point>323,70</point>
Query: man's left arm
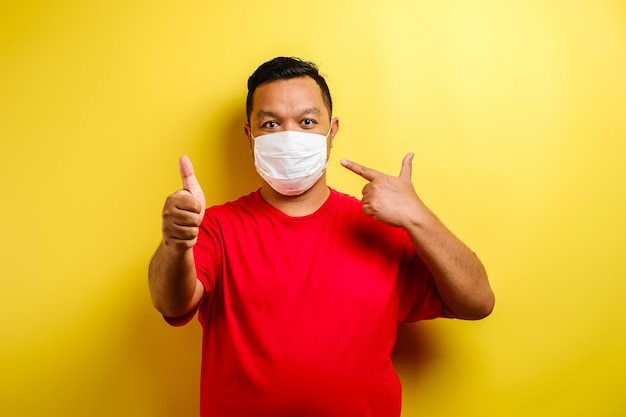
<point>459,275</point>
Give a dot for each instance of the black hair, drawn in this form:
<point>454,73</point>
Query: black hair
<point>283,68</point>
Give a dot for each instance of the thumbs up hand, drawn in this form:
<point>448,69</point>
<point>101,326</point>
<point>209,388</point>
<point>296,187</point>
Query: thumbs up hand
<point>183,211</point>
<point>387,198</point>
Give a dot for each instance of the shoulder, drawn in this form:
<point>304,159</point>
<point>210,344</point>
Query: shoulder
<point>349,209</point>
<point>343,199</point>
<point>231,214</point>
<point>243,203</point>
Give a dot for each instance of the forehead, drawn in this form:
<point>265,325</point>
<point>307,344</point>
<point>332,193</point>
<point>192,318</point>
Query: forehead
<point>291,94</point>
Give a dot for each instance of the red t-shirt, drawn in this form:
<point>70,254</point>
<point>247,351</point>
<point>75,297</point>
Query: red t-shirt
<point>300,313</point>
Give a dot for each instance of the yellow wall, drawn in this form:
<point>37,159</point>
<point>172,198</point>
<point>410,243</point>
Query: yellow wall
<point>516,111</point>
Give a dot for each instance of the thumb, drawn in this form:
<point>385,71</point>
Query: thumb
<point>190,182</point>
<point>407,167</point>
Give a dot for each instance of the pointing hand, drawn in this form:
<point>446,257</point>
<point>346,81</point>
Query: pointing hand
<point>390,199</point>
<point>183,211</point>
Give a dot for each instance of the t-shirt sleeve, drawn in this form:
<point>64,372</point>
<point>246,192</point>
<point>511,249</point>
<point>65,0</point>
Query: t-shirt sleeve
<point>207,252</point>
<point>419,299</point>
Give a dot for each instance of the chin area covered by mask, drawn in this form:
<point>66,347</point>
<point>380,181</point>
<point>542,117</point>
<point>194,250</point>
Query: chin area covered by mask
<point>290,161</point>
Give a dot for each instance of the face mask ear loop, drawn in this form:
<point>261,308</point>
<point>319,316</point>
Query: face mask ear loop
<point>330,129</point>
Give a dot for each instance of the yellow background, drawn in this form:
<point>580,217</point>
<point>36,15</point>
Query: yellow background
<point>516,112</point>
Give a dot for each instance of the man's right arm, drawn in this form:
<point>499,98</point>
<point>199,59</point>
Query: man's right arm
<point>174,286</point>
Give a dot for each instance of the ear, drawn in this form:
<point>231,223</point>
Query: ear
<point>334,128</point>
<point>248,132</point>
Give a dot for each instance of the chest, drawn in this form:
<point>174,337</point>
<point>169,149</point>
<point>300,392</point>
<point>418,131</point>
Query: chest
<point>338,265</point>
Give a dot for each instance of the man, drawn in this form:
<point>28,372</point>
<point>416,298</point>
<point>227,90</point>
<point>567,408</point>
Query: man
<point>299,288</point>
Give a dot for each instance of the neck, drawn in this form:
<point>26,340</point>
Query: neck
<point>300,205</point>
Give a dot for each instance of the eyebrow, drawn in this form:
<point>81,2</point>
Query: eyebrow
<point>268,113</point>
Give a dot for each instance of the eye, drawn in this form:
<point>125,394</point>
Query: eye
<point>308,122</point>
<point>270,125</point>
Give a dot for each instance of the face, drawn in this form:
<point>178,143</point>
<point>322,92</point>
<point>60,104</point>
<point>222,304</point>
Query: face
<point>292,104</point>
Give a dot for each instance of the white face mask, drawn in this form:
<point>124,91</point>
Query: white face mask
<point>290,161</point>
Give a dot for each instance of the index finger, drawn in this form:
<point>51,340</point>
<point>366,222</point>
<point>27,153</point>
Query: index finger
<point>365,172</point>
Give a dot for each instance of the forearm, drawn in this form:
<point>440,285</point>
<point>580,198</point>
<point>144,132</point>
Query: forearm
<point>174,288</point>
<point>459,275</point>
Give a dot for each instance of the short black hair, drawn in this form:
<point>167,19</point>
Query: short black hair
<point>283,68</point>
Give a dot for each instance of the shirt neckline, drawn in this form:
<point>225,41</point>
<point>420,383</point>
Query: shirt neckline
<point>273,211</point>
